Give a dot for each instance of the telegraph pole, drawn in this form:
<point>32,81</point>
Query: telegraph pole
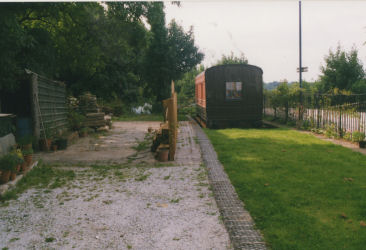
<point>300,48</point>
<point>300,64</point>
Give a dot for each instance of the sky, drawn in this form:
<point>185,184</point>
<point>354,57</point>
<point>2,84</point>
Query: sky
<point>267,32</point>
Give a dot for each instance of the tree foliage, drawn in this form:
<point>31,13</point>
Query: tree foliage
<point>232,59</point>
<point>116,50</point>
<point>342,70</point>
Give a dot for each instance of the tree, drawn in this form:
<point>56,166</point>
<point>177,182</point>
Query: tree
<point>170,54</point>
<point>231,59</point>
<point>183,54</point>
<point>342,70</point>
<point>185,87</point>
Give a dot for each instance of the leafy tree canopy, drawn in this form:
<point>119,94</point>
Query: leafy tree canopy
<point>116,50</point>
<point>342,70</point>
<point>231,59</point>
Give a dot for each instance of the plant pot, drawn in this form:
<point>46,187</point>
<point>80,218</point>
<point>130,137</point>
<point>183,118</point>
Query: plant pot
<point>24,166</point>
<point>362,144</point>
<point>62,143</point>
<point>163,154</point>
<point>54,147</point>
<point>5,175</point>
<point>28,159</point>
<point>45,145</point>
<point>83,134</point>
<point>27,146</point>
<point>13,175</point>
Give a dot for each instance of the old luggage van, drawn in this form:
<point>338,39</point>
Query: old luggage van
<point>229,96</point>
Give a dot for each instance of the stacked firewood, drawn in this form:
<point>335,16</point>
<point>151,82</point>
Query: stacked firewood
<point>88,103</point>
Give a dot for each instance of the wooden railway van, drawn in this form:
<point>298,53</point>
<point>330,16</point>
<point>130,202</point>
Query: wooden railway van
<point>230,96</point>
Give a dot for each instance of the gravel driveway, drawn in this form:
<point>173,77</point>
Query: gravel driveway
<point>120,198</point>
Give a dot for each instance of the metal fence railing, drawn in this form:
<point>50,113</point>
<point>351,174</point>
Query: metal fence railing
<point>342,113</point>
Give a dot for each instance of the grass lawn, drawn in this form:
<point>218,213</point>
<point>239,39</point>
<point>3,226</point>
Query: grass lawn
<point>145,117</point>
<point>303,193</point>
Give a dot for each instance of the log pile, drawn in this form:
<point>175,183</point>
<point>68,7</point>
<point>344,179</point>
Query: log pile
<point>95,120</point>
<point>88,103</point>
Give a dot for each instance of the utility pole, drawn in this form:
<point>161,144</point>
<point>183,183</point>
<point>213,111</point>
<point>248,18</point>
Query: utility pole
<point>300,64</point>
<point>300,47</point>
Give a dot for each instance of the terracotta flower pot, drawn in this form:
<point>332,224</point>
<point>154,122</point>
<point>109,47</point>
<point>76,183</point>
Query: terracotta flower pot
<point>46,144</point>
<point>24,166</point>
<point>163,154</point>
<point>13,175</point>
<point>28,159</point>
<point>83,134</point>
<point>5,175</point>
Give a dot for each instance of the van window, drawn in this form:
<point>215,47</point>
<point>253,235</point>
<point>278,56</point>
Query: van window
<point>233,90</point>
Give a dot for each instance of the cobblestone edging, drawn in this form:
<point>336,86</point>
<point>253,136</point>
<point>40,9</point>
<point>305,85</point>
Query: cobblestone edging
<point>237,220</point>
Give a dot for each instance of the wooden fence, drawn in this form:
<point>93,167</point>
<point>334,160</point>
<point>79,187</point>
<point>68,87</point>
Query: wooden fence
<point>49,110</point>
<point>171,117</point>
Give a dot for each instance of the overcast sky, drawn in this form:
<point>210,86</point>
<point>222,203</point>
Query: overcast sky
<point>267,32</point>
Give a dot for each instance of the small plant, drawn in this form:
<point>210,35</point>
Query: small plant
<point>75,120</point>
<point>9,162</point>
<point>50,239</point>
<point>348,136</point>
<point>358,136</point>
<point>27,151</point>
<point>25,140</point>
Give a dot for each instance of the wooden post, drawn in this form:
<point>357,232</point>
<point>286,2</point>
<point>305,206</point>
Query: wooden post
<point>173,125</point>
<point>34,106</point>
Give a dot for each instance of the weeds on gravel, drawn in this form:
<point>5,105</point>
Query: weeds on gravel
<point>175,200</point>
<point>141,117</point>
<point>145,143</point>
<point>50,239</point>
<point>142,177</point>
<point>41,176</point>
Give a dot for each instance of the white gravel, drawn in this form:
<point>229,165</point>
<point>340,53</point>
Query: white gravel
<point>141,206</point>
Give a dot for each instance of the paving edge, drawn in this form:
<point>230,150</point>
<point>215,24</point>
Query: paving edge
<point>237,220</point>
<point>11,184</point>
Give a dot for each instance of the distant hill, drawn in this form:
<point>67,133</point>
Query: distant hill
<point>271,85</point>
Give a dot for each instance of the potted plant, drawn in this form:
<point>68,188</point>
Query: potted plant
<point>359,137</point>
<point>46,140</point>
<point>16,162</point>
<point>25,142</point>
<point>83,132</point>
<point>8,164</point>
<point>28,156</point>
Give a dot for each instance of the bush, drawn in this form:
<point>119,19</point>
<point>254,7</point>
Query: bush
<point>9,162</point>
<point>75,120</point>
<point>116,107</point>
<point>358,136</point>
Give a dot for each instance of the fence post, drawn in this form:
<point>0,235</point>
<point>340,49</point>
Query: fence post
<point>173,123</point>
<point>34,106</point>
<point>340,132</point>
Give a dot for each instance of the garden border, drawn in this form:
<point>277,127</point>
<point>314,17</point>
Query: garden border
<point>237,220</point>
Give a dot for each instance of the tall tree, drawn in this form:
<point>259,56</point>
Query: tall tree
<point>342,70</point>
<point>232,59</point>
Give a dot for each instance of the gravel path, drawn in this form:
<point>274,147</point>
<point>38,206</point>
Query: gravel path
<point>136,204</point>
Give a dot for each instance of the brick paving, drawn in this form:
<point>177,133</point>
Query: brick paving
<point>237,220</point>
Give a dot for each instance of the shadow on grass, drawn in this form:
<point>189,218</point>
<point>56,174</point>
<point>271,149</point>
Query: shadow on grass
<point>303,193</point>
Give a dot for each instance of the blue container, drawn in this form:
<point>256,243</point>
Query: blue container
<point>24,126</point>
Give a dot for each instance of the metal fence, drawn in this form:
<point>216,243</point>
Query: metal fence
<point>342,113</point>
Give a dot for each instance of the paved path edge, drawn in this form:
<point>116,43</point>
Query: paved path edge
<point>236,218</point>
